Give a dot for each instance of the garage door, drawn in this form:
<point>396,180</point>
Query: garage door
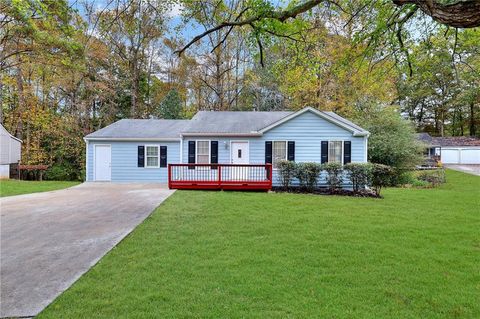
<point>461,155</point>
<point>470,156</point>
<point>450,156</point>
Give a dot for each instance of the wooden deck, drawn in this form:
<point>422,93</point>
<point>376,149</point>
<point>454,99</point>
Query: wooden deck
<point>220,176</point>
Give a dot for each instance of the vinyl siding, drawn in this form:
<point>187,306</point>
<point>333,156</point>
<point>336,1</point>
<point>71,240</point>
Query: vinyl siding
<point>124,162</point>
<point>307,130</point>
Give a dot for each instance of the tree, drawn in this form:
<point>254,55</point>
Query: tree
<point>171,106</point>
<point>392,141</point>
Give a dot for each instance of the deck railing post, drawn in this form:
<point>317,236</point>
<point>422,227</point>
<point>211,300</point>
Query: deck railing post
<point>169,175</point>
<point>219,172</point>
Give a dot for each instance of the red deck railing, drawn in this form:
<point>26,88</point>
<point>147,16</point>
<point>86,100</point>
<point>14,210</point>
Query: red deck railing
<point>220,176</point>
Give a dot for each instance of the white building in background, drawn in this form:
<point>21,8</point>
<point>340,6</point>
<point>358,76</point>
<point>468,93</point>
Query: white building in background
<point>10,151</point>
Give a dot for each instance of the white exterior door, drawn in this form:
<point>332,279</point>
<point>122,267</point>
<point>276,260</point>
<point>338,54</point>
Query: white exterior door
<point>103,163</point>
<point>240,155</point>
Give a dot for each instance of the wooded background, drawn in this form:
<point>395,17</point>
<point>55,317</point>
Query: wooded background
<point>70,68</point>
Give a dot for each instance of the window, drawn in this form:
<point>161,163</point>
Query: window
<point>279,152</point>
<point>152,155</point>
<point>203,152</point>
<point>335,150</point>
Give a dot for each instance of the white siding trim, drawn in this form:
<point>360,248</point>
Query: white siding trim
<point>86,161</point>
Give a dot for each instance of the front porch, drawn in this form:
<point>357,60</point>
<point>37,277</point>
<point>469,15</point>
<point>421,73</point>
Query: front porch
<point>220,176</point>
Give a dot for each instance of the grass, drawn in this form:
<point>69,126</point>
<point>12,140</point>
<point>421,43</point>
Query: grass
<point>10,187</point>
<point>414,254</point>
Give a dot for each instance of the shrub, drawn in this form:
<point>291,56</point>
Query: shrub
<point>307,174</point>
<point>334,175</point>
<point>381,177</point>
<point>286,173</point>
<point>61,172</point>
<point>433,177</point>
<point>359,174</point>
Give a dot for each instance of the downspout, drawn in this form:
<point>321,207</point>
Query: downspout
<point>86,159</point>
<point>181,148</point>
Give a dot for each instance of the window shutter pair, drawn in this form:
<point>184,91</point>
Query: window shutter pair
<point>269,151</point>
<point>347,152</point>
<point>141,156</point>
<point>213,153</point>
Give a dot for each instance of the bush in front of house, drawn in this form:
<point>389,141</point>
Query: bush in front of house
<point>334,175</point>
<point>359,174</point>
<point>307,175</point>
<point>381,176</point>
<point>286,173</point>
<point>432,177</point>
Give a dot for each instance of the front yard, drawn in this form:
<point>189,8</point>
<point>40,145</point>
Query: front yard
<point>10,187</point>
<point>414,254</point>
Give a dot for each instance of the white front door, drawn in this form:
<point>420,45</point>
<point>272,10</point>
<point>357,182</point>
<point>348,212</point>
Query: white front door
<point>103,163</point>
<point>240,155</point>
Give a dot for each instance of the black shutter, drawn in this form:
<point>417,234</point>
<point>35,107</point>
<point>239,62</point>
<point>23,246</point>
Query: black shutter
<point>347,152</point>
<point>291,151</point>
<point>141,156</point>
<point>214,153</point>
<point>268,152</point>
<point>163,156</point>
<point>191,154</point>
<point>324,151</point>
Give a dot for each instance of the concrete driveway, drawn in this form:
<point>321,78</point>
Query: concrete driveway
<point>48,240</point>
<point>473,169</point>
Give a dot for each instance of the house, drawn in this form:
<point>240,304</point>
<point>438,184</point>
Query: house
<point>10,151</point>
<point>452,150</point>
<point>141,150</point>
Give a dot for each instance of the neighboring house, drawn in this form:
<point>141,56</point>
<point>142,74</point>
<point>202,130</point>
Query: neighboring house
<point>452,150</point>
<point>10,151</point>
<point>140,150</point>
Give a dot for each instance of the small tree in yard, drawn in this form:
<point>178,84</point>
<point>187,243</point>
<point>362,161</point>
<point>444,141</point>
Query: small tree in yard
<point>392,139</point>
<point>307,174</point>
<point>334,175</point>
<point>286,173</point>
<point>359,174</point>
<point>381,177</point>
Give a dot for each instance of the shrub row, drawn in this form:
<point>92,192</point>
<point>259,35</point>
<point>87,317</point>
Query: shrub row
<point>360,175</point>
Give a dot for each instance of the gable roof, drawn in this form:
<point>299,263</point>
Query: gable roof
<point>210,123</point>
<point>141,129</point>
<point>3,131</point>
<point>448,141</point>
<point>329,116</point>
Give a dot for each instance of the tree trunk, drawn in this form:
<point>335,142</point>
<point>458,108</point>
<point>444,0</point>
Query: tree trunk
<point>472,128</point>
<point>134,93</point>
<point>21,103</point>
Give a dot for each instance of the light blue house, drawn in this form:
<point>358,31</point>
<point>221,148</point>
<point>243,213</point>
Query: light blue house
<point>140,150</point>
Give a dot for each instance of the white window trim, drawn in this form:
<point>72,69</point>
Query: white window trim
<point>146,156</point>
<point>343,149</point>
<point>209,151</point>
<point>286,152</point>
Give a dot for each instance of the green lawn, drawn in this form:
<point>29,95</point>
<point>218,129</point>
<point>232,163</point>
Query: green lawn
<point>414,254</point>
<point>9,187</point>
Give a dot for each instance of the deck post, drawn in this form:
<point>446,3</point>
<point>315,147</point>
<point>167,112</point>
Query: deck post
<point>219,172</point>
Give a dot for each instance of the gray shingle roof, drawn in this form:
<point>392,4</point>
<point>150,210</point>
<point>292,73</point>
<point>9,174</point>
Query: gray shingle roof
<point>205,122</point>
<point>142,129</point>
<point>232,122</point>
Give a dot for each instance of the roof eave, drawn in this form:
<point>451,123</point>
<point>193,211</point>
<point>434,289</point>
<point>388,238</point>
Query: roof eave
<point>253,134</point>
<point>119,139</point>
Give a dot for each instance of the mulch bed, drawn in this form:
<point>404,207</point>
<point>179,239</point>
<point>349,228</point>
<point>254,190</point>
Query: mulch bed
<point>326,191</point>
